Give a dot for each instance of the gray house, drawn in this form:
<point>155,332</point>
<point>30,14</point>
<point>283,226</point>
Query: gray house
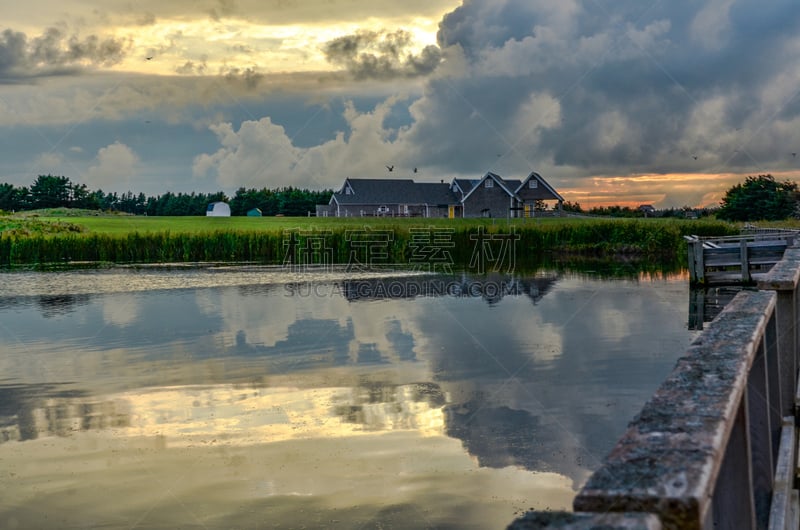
<point>535,189</point>
<point>390,198</point>
<point>490,196</point>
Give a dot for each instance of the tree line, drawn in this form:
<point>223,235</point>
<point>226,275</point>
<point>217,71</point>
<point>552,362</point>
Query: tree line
<point>628,212</point>
<point>49,191</point>
<point>757,198</point>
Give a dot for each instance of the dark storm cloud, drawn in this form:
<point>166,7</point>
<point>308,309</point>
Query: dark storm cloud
<point>637,87</point>
<point>381,55</point>
<point>247,77</point>
<point>53,53</point>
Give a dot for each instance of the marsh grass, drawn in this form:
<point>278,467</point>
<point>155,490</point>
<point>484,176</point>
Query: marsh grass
<point>271,240</point>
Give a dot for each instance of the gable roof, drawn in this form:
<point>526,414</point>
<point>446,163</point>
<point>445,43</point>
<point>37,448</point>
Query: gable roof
<point>543,182</point>
<point>465,185</point>
<point>394,191</point>
<point>500,182</point>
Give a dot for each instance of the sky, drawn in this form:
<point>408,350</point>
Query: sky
<point>625,102</point>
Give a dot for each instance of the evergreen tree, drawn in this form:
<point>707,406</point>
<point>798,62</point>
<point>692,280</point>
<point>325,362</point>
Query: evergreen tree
<point>49,191</point>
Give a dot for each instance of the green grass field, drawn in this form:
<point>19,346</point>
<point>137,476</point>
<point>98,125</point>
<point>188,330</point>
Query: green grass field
<point>128,224</point>
<point>124,224</point>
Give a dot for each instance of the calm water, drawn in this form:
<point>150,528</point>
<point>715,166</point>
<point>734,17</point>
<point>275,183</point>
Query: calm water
<point>255,398</point>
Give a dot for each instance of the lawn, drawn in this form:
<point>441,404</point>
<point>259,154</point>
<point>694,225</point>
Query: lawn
<point>113,224</point>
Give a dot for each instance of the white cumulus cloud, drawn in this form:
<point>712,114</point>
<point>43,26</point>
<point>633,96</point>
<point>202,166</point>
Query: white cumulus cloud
<point>113,167</point>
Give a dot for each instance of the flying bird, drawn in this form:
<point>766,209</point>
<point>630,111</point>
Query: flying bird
<point>148,58</point>
<point>390,168</point>
<point>694,156</point>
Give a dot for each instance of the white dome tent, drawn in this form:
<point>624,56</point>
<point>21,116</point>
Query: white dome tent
<point>218,209</point>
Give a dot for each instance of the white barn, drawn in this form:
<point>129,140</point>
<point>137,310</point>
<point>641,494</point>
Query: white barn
<point>218,209</point>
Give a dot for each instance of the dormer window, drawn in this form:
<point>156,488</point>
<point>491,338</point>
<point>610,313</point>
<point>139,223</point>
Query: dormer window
<point>489,183</point>
<point>533,184</point>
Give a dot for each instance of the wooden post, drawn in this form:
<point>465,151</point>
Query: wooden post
<point>745,261</point>
<point>699,262</point>
<point>690,262</point>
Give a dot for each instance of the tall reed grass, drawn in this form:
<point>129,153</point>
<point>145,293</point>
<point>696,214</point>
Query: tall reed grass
<point>388,243</point>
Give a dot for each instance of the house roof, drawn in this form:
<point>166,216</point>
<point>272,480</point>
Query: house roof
<point>383,191</point>
<point>394,191</point>
<point>465,185</point>
<point>543,182</point>
<point>497,178</point>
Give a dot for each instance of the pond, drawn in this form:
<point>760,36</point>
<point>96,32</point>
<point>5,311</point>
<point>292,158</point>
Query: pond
<point>256,397</point>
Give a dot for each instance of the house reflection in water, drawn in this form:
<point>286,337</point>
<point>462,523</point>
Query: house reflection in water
<point>28,412</point>
<point>492,287</point>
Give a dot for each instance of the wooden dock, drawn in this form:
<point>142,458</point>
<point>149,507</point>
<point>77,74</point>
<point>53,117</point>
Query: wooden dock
<point>741,259</point>
<point>716,446</point>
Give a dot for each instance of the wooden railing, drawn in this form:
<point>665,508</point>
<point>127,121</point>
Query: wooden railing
<point>736,259</point>
<point>716,445</point>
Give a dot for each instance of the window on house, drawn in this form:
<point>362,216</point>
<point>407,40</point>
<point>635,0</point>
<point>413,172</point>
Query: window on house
<point>348,191</point>
<point>533,183</point>
<point>489,183</point>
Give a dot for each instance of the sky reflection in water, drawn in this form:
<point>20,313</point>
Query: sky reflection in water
<point>258,398</point>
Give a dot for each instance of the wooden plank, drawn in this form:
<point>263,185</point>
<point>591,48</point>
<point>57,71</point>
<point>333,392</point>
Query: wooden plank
<point>733,500</point>
<point>759,437</point>
<point>726,277</point>
<point>779,406</point>
<point>781,511</point>
<point>734,266</point>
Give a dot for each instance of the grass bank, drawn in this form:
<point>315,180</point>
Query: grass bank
<point>127,239</point>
